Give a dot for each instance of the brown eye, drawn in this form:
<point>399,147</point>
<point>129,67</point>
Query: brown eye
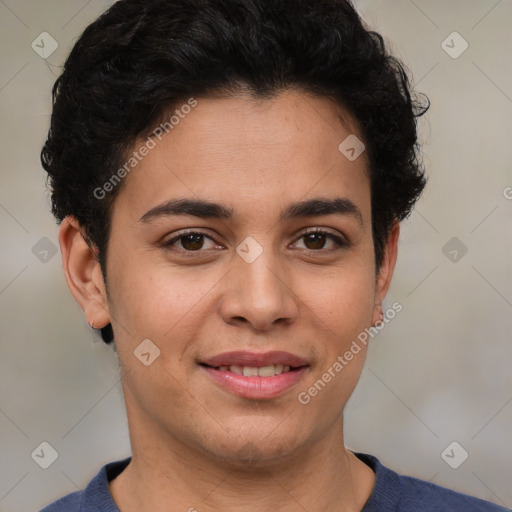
<point>315,240</point>
<point>192,241</point>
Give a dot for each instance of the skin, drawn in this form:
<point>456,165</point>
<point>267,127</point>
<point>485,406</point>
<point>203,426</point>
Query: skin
<point>196,445</point>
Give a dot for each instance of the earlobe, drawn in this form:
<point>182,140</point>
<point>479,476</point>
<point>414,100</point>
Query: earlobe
<point>386,272</point>
<point>83,273</point>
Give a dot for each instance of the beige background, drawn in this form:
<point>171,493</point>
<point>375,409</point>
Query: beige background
<point>438,373</point>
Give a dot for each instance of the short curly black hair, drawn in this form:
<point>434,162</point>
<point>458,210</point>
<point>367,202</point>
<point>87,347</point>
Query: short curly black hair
<point>141,58</point>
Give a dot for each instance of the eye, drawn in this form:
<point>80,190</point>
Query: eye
<point>316,238</point>
<point>194,241</point>
<point>191,241</point>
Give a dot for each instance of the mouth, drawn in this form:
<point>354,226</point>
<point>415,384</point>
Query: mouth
<point>255,375</point>
<point>275,358</point>
<point>255,371</point>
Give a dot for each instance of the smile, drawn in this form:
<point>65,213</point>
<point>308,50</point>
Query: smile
<point>253,371</point>
<point>255,375</point>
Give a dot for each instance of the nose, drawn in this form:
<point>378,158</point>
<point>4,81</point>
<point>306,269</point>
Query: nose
<point>258,294</point>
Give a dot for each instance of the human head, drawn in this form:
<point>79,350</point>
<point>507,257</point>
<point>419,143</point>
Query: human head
<point>261,134</point>
<point>141,60</point>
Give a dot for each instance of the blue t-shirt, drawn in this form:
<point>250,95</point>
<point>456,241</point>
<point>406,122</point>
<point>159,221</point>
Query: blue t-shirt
<point>391,493</point>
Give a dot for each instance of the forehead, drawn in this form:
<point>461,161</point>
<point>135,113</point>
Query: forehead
<point>248,153</point>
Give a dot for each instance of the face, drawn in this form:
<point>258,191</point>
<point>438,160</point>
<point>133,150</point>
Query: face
<point>264,267</point>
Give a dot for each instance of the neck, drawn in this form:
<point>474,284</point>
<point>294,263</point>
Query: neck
<point>168,475</point>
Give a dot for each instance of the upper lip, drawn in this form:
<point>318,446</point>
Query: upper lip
<point>256,359</point>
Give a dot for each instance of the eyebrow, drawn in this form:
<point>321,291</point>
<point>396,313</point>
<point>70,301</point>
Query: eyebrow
<point>209,210</point>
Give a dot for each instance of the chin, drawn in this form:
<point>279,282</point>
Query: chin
<point>253,447</point>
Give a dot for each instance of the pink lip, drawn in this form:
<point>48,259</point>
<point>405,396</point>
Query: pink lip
<point>255,387</point>
<point>241,358</point>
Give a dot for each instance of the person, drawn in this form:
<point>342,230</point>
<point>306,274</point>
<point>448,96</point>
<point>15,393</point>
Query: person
<point>229,177</point>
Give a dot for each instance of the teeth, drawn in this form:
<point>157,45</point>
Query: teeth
<point>267,371</point>
<point>236,369</point>
<point>279,368</point>
<point>254,371</point>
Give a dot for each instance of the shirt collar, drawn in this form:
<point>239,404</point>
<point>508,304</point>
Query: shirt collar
<point>384,497</point>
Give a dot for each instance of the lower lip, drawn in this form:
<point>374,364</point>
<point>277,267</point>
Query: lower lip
<point>256,387</point>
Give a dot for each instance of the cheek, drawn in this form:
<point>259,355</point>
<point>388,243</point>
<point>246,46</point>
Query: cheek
<point>343,301</point>
<point>153,300</point>
<point>164,307</point>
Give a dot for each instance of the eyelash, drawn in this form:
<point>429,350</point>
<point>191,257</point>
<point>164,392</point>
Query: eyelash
<point>338,240</point>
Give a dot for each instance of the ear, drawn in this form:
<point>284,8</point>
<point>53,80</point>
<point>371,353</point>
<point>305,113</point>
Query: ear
<point>386,272</point>
<point>83,273</point>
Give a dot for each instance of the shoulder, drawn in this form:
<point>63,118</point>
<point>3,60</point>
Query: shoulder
<point>96,496</point>
<point>425,496</point>
<point>70,503</point>
<point>399,493</point>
